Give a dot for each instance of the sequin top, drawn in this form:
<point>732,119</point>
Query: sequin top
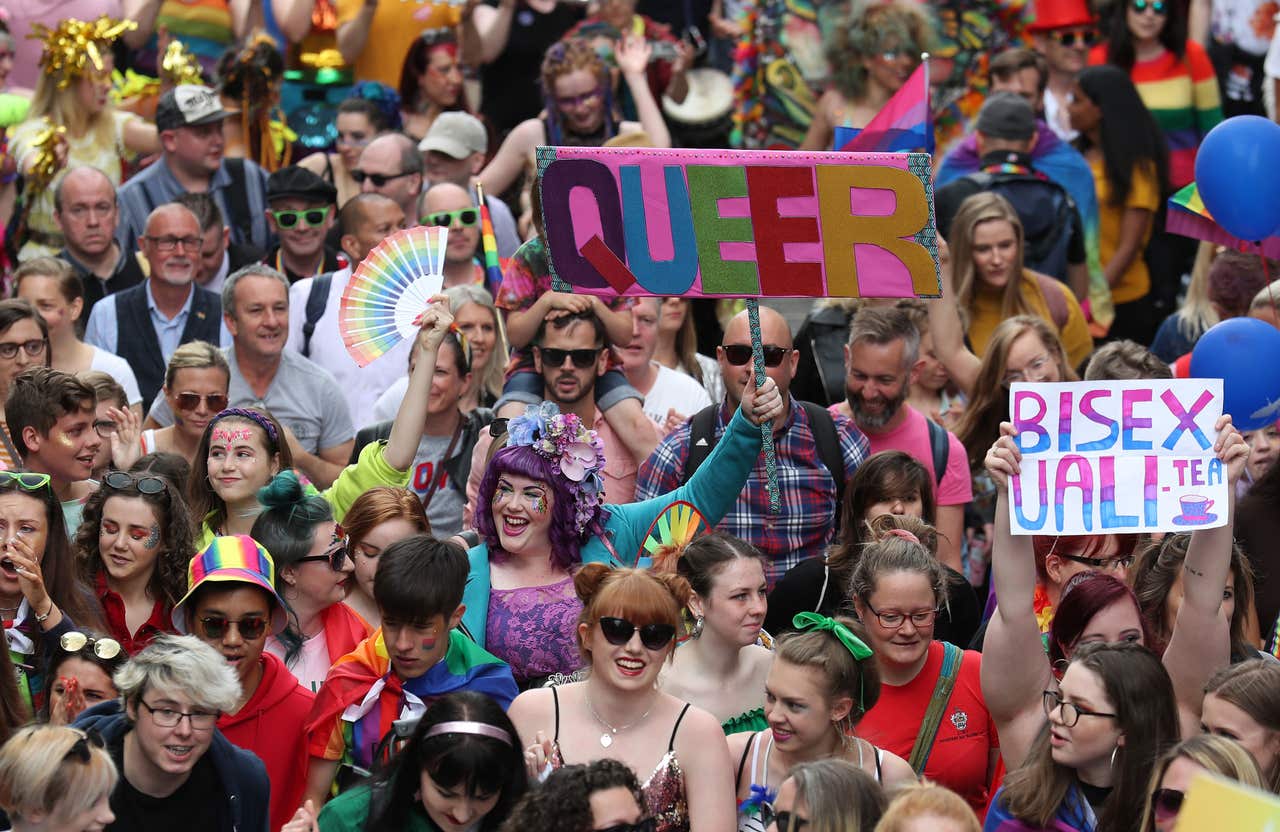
<point>664,793</point>
<point>532,629</point>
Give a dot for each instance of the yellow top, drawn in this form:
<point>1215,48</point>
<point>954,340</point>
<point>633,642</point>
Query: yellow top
<point>986,315</point>
<point>1143,193</point>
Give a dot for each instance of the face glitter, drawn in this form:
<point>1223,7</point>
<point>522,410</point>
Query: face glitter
<point>153,539</point>
<point>230,435</point>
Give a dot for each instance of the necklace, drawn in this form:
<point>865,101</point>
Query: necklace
<point>606,739</point>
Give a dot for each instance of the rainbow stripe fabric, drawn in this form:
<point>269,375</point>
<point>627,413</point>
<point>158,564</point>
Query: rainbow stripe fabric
<point>389,291</point>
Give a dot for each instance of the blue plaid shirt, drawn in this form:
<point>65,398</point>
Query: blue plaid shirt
<point>806,523</point>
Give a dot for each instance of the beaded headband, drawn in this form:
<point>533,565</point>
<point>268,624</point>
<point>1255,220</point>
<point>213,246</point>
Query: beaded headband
<point>482,729</point>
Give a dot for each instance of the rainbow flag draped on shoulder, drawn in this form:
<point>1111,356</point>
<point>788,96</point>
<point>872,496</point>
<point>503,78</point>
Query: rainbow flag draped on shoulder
<point>903,124</point>
<point>362,695</point>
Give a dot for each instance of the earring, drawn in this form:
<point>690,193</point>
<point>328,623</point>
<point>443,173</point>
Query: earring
<point>1114,751</point>
<point>697,627</point>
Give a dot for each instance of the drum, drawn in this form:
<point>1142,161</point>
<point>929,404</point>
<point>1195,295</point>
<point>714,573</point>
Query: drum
<point>705,117</point>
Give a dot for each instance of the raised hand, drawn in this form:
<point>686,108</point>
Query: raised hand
<point>125,442</point>
<point>763,404</point>
<point>632,55</point>
<point>1231,449</point>
<point>1004,460</point>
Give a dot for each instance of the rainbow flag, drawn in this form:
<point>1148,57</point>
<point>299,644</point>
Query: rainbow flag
<point>1188,217</point>
<point>904,123</point>
<point>492,269</point>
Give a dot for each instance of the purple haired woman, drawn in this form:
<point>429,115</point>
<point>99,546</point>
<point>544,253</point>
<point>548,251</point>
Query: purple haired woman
<point>540,512</point>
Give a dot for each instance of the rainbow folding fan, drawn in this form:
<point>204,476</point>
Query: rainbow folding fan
<point>675,527</point>
<point>390,289</point>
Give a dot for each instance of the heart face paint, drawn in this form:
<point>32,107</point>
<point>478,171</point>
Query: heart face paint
<point>229,436</point>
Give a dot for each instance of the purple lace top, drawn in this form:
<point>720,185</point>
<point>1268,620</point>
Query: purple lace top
<point>532,629</point>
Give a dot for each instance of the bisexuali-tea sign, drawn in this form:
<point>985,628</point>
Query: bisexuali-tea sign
<point>1101,457</point>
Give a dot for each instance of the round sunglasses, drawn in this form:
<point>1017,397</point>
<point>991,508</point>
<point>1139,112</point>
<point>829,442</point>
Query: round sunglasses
<point>104,648</point>
<point>618,631</point>
<point>217,626</point>
<point>120,480</point>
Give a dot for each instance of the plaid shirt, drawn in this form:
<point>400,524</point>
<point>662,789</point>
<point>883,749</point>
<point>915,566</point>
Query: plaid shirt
<point>806,523</point>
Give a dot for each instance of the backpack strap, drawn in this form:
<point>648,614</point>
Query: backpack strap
<point>940,447</point>
<point>238,201</point>
<point>1052,291</point>
<point>951,660</point>
<point>702,439</point>
<point>317,300</point>
<point>824,435</point>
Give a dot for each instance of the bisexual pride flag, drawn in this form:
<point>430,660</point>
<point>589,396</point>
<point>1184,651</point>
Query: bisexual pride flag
<point>903,124</point>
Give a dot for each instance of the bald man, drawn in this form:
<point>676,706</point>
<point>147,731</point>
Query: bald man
<point>365,220</point>
<point>449,206</point>
<point>390,165</point>
<point>85,209</point>
<point>810,445</point>
<point>166,310</point>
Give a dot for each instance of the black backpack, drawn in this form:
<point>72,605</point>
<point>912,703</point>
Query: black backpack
<point>1048,213</point>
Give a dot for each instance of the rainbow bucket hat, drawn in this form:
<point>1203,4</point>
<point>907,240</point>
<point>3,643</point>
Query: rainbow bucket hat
<point>232,559</point>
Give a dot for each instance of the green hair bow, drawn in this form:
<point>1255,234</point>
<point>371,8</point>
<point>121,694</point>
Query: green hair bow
<point>814,621</point>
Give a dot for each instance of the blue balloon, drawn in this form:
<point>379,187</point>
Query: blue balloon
<point>1243,353</point>
<point>1238,174</point>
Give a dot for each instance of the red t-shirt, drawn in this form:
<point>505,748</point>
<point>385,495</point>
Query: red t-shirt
<point>965,737</point>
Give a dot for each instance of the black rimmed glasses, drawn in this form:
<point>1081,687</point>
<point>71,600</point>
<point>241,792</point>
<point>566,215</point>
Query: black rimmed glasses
<point>1103,564</point>
<point>9,349</point>
<point>893,619</point>
<point>105,428</point>
<point>168,243</point>
<point>618,631</point>
<point>169,718</point>
<point>104,648</point>
<point>739,354</point>
<point>1071,712</point>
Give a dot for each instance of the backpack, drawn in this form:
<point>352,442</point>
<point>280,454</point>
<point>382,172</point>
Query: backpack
<point>939,448</point>
<point>702,439</point>
<point>317,299</point>
<point>1048,213</point>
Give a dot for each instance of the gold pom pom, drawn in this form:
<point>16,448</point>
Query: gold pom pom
<point>73,46</point>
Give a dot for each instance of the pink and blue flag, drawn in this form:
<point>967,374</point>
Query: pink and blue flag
<point>904,123</point>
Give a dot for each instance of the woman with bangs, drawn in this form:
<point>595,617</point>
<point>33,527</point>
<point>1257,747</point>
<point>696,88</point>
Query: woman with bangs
<point>1160,586</point>
<point>540,512</point>
<point>196,383</point>
<point>79,676</point>
<point>678,347</point>
<point>24,342</point>
<point>56,777</point>
<point>461,769</point>
<point>242,449</point>
<point>378,518</point>
<point>888,483</point>
<point>1242,703</point>
<point>41,596</point>
<point>1198,645</point>
<point>626,632</point>
<point>430,81</point>
<point>1179,766</point>
<point>133,547</point>
<point>1059,558</point>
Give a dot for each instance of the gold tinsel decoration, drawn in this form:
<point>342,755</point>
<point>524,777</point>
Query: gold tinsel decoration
<point>74,45</point>
<point>45,166</point>
<point>179,66</point>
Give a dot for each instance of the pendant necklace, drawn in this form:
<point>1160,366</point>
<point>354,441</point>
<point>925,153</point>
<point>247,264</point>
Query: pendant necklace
<point>606,738</point>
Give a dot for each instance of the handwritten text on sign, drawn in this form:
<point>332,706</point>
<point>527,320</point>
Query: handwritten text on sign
<point>738,223</point>
<point>1102,457</point>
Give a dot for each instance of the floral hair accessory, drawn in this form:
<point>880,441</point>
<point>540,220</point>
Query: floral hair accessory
<point>561,438</point>
<point>74,47</point>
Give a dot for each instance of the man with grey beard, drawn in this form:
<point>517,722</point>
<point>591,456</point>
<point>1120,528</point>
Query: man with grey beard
<point>164,311</point>
<point>880,359</point>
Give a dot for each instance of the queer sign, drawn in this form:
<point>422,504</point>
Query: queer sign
<point>738,223</point>
<point>1101,457</point>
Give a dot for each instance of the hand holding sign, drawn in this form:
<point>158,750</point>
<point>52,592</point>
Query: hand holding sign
<point>1004,460</point>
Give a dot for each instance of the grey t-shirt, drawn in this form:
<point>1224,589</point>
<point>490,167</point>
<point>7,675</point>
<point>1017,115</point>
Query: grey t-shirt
<point>445,510</point>
<point>303,396</point>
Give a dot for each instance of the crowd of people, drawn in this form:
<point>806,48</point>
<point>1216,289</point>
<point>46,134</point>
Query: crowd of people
<point>523,572</point>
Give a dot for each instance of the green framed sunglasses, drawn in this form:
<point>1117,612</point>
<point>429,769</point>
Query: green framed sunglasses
<point>310,217</point>
<point>466,217</point>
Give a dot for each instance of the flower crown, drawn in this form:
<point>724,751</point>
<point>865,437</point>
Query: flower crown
<point>563,439</point>
<point>73,45</point>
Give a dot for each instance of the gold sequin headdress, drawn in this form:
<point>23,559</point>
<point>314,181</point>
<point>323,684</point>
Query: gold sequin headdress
<point>71,48</point>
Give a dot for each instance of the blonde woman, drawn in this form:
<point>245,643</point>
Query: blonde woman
<point>195,386</point>
<point>678,347</point>
<point>56,778</point>
<point>1178,333</point>
<point>73,93</point>
<point>928,806</point>
<point>828,796</point>
<point>1178,766</point>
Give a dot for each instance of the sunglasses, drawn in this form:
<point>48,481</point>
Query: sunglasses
<point>739,354</point>
<point>1167,803</point>
<point>788,822</point>
<point>1157,6</point>
<point>26,480</point>
<point>465,217</point>
<point>378,179</point>
<point>104,648</point>
<point>582,359</point>
<point>120,480</point>
<point>217,402</point>
<point>646,825</point>
<point>216,626</point>
<point>336,555</point>
<point>311,217</point>
<point>82,749</point>
<point>618,631</point>
<point>1072,39</point>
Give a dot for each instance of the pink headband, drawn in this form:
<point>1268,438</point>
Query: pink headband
<point>481,728</point>
<point>904,534</point>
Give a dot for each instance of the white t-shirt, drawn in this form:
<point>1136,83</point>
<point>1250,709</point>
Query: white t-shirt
<point>674,391</point>
<point>119,369</point>
<point>311,665</point>
<point>361,385</point>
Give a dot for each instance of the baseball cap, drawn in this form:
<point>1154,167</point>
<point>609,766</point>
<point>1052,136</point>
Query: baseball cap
<point>455,134</point>
<point>189,105</point>
<point>1006,115</point>
<point>297,181</point>
<point>232,559</point>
